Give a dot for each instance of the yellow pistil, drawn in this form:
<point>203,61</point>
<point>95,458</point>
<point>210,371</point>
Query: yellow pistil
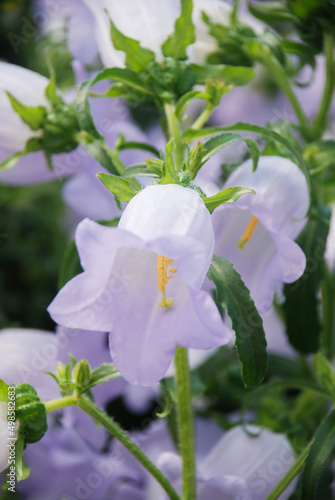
<point>163,264</point>
<point>248,232</point>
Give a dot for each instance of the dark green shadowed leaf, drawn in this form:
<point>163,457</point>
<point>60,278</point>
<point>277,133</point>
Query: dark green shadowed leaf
<point>231,75</point>
<point>137,57</point>
<point>70,265</point>
<point>320,454</point>
<point>118,186</point>
<point>301,304</point>
<point>228,195</point>
<point>32,116</point>
<point>246,321</point>
<point>176,44</point>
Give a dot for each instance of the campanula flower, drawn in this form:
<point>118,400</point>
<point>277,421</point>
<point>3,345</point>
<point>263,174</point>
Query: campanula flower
<point>257,232</point>
<point>142,282</point>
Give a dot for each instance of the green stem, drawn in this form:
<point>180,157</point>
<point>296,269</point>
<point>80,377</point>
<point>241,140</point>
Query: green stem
<point>185,423</point>
<point>328,316</point>
<point>57,404</point>
<point>175,132</point>
<point>89,407</point>
<point>202,119</point>
<point>280,75</point>
<point>289,476</point>
<point>321,119</point>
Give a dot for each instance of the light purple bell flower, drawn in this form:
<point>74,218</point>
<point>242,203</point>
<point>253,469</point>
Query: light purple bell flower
<point>257,232</point>
<point>142,280</point>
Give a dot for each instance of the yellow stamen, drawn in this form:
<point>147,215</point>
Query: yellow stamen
<point>248,232</point>
<point>163,263</point>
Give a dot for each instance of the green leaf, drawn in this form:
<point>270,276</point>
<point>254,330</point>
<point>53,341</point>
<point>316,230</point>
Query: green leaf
<point>185,100</point>
<point>139,171</point>
<point>122,75</point>
<point>320,155</point>
<point>138,145</point>
<point>137,57</point>
<point>105,372</point>
<point>169,172</point>
<point>190,135</point>
<point>3,392</point>
<point>247,323</point>
<point>215,144</point>
<point>270,12</point>
<point>98,149</point>
<point>320,454</point>
<point>118,186</point>
<point>228,195</point>
<point>32,116</point>
<point>184,34</point>
<point>70,265</point>
<point>231,75</point>
<point>324,372</point>
<point>83,111</point>
<point>301,306</point>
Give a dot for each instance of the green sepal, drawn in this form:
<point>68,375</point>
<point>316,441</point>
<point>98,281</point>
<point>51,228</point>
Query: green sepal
<point>51,89</point>
<point>105,372</point>
<point>229,195</point>
<point>186,99</point>
<point>184,33</point>
<point>167,401</point>
<point>119,186</point>
<point>3,392</point>
<point>231,75</point>
<point>21,470</point>
<point>32,116</point>
<point>319,456</point>
<point>137,57</point>
<point>169,171</point>
<point>246,320</point>
<point>32,145</point>
<point>320,155</point>
<point>31,413</point>
<point>301,307</point>
<point>81,372</point>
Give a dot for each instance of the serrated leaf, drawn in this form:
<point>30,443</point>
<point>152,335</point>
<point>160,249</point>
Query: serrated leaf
<point>246,321</point>
<point>118,186</point>
<point>231,75</point>
<point>137,57</point>
<point>320,454</point>
<point>301,308</point>
<point>184,34</point>
<point>228,195</point>
<point>105,372</point>
<point>190,135</point>
<point>215,144</point>
<point>32,116</point>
